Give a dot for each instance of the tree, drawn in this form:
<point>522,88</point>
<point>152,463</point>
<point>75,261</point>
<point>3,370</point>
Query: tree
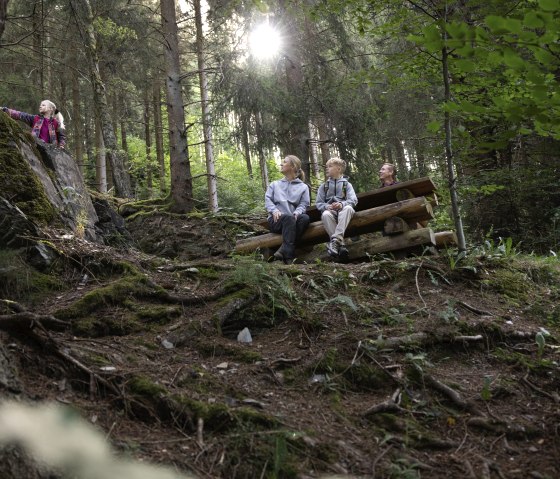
<point>119,173</point>
<point>206,126</point>
<point>181,178</point>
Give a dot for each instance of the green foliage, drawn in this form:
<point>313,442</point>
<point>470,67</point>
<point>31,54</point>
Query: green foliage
<point>273,285</point>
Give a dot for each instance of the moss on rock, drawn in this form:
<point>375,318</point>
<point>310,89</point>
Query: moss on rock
<point>18,182</point>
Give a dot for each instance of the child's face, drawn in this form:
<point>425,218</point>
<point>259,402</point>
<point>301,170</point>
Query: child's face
<point>334,171</point>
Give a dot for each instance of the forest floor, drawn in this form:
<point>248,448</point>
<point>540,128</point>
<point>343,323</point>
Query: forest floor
<point>411,368</point>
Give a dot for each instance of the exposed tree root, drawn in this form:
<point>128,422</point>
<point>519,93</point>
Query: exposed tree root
<point>510,430</point>
<point>450,393</point>
<point>27,320</point>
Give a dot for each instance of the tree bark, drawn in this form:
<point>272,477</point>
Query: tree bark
<point>181,178</point>
<point>452,179</point>
<point>77,125</point>
<point>206,124</point>
<point>158,131</point>
<point>245,142</point>
<point>260,150</point>
<point>120,175</point>
<point>148,139</point>
<point>100,163</point>
<point>3,15</point>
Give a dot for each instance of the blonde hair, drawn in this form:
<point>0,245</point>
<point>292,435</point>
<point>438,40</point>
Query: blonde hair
<point>337,162</point>
<point>55,113</point>
<point>296,164</point>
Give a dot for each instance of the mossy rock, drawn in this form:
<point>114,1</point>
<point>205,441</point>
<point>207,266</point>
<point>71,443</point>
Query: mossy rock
<point>118,292</point>
<point>17,179</point>
<point>21,282</point>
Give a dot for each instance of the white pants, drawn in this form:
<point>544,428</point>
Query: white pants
<point>336,222</point>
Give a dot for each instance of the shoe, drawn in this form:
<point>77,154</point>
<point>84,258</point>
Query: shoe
<point>343,253</point>
<point>279,255</point>
<point>333,248</point>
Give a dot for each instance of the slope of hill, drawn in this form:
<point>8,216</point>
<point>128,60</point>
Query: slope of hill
<point>424,367</point>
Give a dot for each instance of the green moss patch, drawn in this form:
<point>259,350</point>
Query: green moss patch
<point>20,282</point>
<point>18,182</point>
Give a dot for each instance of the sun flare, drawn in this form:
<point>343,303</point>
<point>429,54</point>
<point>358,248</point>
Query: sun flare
<point>265,41</point>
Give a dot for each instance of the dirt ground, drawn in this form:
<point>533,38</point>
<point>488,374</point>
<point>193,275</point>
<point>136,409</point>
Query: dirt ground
<point>387,368</point>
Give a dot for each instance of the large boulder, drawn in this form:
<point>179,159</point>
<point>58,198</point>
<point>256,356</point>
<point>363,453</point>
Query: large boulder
<point>43,181</point>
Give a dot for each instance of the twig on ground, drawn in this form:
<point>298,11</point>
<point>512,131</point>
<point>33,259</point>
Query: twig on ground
<point>378,458</point>
<point>469,468</point>
<point>472,309</point>
<point>525,381</point>
<point>418,287</point>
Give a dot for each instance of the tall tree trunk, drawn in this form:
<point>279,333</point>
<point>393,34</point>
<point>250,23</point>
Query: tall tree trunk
<point>452,179</point>
<point>148,138</point>
<point>245,141</point>
<point>158,132</point>
<point>3,14</point>
<point>77,124</point>
<point>206,125</point>
<point>400,159</point>
<point>181,178</point>
<point>260,150</point>
<point>120,176</point>
<point>323,138</point>
<point>100,163</point>
<point>38,48</point>
<point>313,155</point>
<point>297,122</point>
<point>420,157</point>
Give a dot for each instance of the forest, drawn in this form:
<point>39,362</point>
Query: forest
<point>125,298</point>
<point>170,101</point>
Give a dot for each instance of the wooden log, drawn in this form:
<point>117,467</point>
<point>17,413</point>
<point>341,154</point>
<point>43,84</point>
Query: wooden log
<point>383,196</point>
<point>445,239</point>
<point>395,225</point>
<point>362,222</point>
<point>404,194</point>
<point>401,244</point>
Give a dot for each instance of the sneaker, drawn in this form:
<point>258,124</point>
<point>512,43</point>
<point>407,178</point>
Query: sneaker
<point>343,253</point>
<point>333,248</point>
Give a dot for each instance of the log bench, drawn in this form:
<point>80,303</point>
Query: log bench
<point>402,211</point>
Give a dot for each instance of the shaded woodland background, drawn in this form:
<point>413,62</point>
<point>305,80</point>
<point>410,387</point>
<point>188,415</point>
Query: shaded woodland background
<point>364,80</point>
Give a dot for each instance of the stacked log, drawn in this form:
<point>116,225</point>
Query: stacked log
<point>367,221</point>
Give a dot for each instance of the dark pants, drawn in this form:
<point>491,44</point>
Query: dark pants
<point>292,230</point>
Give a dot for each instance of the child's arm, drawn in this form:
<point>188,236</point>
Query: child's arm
<point>20,115</point>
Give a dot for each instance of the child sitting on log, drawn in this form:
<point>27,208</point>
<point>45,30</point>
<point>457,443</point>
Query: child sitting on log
<point>286,201</point>
<point>336,200</point>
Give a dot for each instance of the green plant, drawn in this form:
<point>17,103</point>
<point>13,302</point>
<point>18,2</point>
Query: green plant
<point>541,343</point>
<point>449,314</point>
<point>485,394</point>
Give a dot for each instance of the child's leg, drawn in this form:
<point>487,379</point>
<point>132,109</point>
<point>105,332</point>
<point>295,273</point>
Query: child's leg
<point>329,222</point>
<point>344,217</point>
